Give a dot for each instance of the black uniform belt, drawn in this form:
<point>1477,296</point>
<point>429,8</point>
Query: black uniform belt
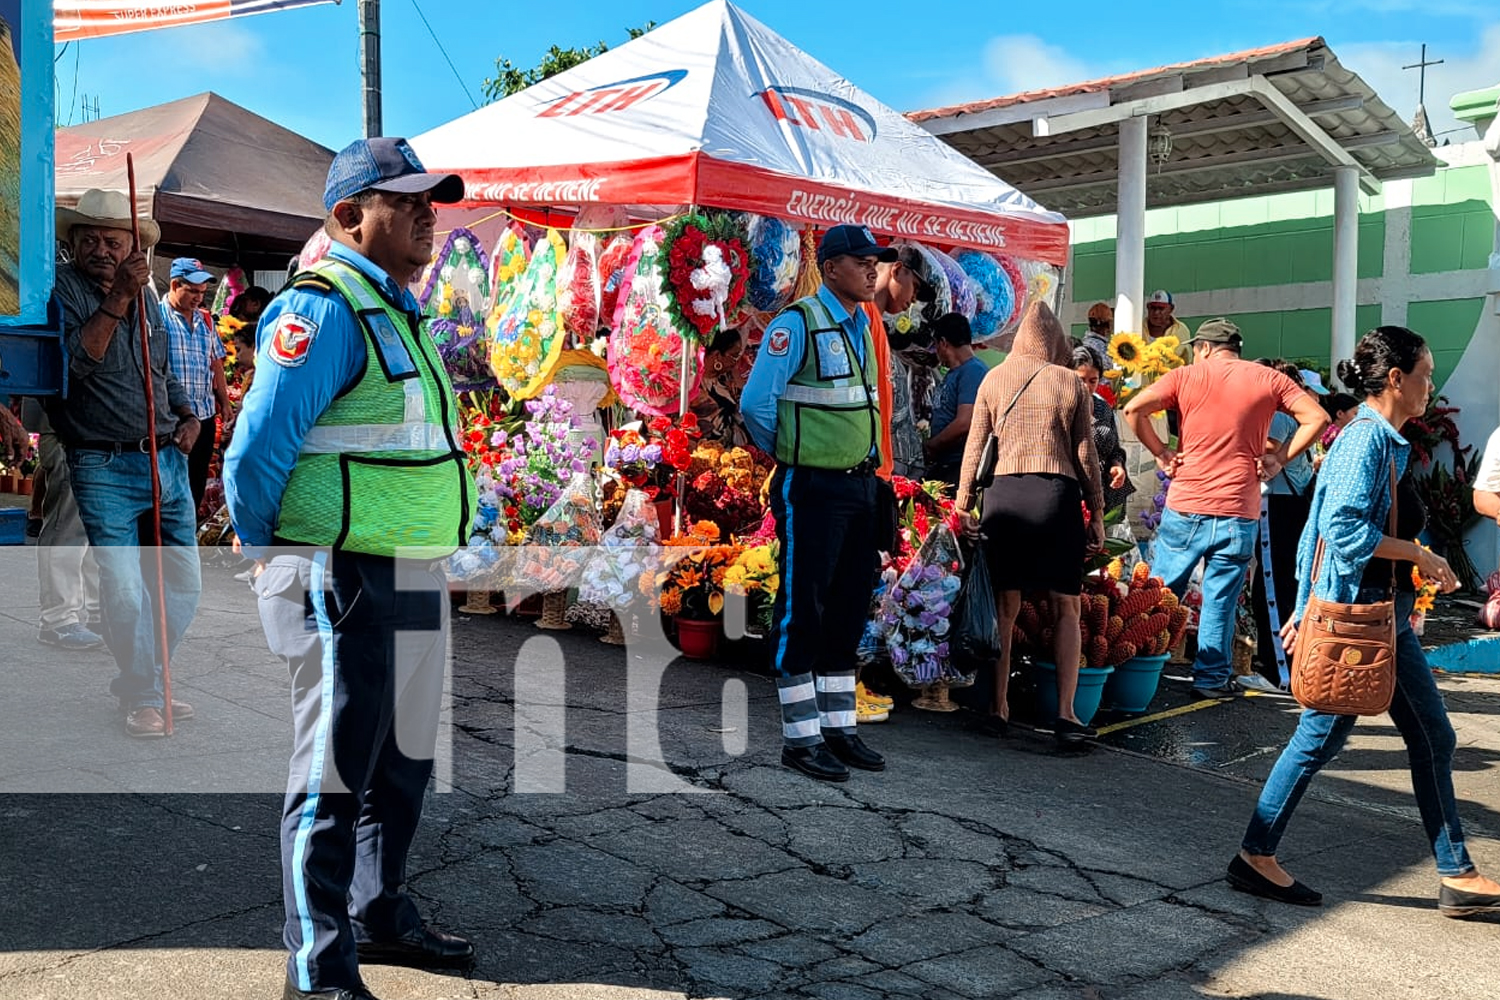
<point>867,466</point>
<point>140,444</point>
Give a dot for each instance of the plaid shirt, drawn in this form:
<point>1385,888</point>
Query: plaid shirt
<point>193,349</point>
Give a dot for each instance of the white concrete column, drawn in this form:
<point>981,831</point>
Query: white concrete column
<point>1345,261</point>
<point>1130,229</point>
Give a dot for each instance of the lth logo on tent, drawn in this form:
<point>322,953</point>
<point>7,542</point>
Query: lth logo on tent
<point>610,97</point>
<point>819,112</point>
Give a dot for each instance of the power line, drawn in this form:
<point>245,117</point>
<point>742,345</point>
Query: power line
<point>446,58</point>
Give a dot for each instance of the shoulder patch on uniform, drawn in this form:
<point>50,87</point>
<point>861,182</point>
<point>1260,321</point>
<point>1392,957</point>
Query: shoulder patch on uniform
<point>778,342</point>
<point>313,281</point>
<point>291,338</point>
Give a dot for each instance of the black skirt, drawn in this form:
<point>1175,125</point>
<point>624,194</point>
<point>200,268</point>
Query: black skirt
<point>1035,540</point>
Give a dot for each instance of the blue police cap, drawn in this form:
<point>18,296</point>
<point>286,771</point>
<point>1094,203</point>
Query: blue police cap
<point>856,241</point>
<point>385,164</point>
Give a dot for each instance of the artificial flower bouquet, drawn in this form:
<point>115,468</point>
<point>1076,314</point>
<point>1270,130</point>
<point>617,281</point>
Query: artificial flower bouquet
<point>536,465</point>
<point>914,614</point>
<point>754,577</point>
<point>723,485</point>
<point>1137,364</point>
<point>629,548</point>
<point>692,585</point>
<point>560,542</point>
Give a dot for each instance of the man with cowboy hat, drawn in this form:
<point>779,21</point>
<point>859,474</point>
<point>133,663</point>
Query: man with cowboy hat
<point>102,425</point>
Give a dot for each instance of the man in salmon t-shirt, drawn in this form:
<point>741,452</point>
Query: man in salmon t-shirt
<point>1225,406</point>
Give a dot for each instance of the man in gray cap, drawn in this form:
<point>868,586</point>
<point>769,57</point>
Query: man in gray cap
<point>1213,505</point>
<point>347,483</point>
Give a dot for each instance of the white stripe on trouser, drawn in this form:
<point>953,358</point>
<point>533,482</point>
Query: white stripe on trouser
<point>799,710</point>
<point>836,701</point>
<point>1268,577</point>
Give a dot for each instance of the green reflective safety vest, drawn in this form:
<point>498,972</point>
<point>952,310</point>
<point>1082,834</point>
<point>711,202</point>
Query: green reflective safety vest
<point>828,416</point>
<point>382,471</point>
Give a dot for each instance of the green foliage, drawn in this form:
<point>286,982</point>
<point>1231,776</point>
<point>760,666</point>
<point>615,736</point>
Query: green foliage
<point>509,79</point>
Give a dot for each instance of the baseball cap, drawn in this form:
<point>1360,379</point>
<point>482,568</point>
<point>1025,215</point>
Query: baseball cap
<point>190,269</point>
<point>1160,297</point>
<point>1101,310</point>
<point>1218,331</point>
<point>857,241</point>
<point>1313,381</point>
<point>385,164</point>
<point>911,259</point>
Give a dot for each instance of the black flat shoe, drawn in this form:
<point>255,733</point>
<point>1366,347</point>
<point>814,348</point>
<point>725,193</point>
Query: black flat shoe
<point>1458,903</point>
<point>1071,734</point>
<point>1244,878</point>
<point>292,993</point>
<point>815,762</point>
<point>423,948</point>
<point>852,751</point>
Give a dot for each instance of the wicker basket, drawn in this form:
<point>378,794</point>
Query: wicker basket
<point>615,634</point>
<point>1242,657</point>
<point>554,606</point>
<point>478,603</point>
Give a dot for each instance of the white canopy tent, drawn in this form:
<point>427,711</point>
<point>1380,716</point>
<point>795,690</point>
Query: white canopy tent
<point>715,109</point>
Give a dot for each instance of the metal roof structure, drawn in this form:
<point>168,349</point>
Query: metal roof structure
<point>1269,120</point>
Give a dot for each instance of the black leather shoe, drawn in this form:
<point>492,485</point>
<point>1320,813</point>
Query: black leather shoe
<point>423,948</point>
<point>1246,879</point>
<point>815,762</point>
<point>1458,903</point>
<point>292,993</point>
<point>852,751</point>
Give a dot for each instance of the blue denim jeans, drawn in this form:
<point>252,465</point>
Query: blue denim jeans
<point>1422,719</point>
<point>114,500</point>
<point>1224,545</point>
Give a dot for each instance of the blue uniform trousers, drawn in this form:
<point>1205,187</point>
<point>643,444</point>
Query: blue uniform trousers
<point>365,640</point>
<point>825,521</point>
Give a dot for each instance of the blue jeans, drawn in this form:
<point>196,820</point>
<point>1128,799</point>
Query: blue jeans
<point>1422,719</point>
<point>1224,545</point>
<point>114,500</point>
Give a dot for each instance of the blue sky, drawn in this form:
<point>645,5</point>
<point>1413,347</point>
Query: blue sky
<point>301,68</point>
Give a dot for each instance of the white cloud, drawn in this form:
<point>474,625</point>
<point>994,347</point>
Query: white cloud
<point>1011,64</point>
<point>1379,64</point>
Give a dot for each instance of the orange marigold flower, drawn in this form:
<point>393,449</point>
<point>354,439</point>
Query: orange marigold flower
<point>671,602</point>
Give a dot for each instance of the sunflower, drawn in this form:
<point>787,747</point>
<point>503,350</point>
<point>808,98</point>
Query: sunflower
<point>1126,349</point>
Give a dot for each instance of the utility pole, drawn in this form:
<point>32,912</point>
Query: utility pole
<point>369,64</point>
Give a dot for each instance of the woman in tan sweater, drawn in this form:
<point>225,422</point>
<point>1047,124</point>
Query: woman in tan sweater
<point>1031,520</point>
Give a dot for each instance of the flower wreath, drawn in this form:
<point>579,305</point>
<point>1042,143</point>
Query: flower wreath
<point>527,330</point>
<point>706,267</point>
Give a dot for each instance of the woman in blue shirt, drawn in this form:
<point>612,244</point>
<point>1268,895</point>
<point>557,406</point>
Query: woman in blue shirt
<point>1392,369</point>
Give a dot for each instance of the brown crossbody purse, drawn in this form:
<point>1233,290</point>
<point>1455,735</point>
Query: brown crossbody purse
<point>1344,661</point>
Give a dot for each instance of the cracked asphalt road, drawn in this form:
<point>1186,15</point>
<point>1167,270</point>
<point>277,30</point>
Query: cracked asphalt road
<point>972,868</point>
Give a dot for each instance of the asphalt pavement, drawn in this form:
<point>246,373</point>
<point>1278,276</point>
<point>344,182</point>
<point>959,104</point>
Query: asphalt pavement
<point>604,826</point>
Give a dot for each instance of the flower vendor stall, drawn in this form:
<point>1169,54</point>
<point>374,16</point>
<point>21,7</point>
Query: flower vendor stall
<point>643,202</point>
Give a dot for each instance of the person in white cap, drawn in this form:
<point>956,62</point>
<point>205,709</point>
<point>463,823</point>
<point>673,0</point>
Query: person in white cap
<point>102,424</point>
<point>1161,319</point>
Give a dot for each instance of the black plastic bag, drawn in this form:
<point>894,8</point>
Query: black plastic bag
<point>976,638</point>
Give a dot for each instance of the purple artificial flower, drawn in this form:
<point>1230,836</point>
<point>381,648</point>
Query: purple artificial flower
<point>612,455</point>
<point>630,453</point>
<point>651,453</point>
<point>1160,499</point>
<point>941,651</point>
<point>928,619</point>
<point>578,465</point>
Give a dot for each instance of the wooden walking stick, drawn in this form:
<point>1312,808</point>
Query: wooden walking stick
<point>161,582</point>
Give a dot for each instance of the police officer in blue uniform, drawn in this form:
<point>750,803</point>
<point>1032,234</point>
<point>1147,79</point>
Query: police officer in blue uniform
<point>347,483</point>
<point>812,401</point>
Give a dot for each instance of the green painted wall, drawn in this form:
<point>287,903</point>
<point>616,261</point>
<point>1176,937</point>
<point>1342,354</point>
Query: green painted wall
<point>1447,325</point>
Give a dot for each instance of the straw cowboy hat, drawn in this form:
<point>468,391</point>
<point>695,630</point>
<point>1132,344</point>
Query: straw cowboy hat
<point>106,210</point>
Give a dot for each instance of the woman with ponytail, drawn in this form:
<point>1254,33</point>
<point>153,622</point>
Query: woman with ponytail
<point>1392,371</point>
